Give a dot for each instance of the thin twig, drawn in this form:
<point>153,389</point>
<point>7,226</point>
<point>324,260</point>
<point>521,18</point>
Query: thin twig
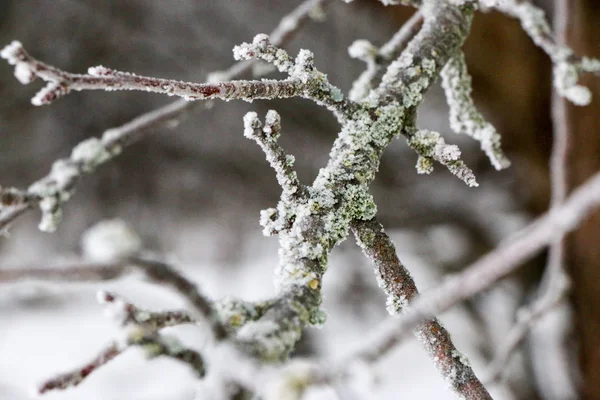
<point>399,286</point>
<point>81,272</point>
<point>158,271</point>
<point>152,320</point>
<point>76,376</point>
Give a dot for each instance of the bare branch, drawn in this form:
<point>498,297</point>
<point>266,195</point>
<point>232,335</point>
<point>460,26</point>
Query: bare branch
<point>488,269</point>
<point>130,315</point>
<point>400,288</point>
<point>75,377</point>
<point>61,82</point>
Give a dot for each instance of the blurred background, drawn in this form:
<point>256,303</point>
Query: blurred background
<point>194,191</point>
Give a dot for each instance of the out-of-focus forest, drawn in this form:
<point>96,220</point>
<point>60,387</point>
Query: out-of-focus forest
<point>193,192</point>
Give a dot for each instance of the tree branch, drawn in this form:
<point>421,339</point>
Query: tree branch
<point>60,82</point>
<point>397,283</point>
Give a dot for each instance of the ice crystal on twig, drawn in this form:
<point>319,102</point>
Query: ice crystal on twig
<point>464,116</point>
<point>430,146</point>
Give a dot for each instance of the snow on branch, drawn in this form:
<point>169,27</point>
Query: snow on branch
<point>397,283</point>
<point>567,66</point>
<point>430,146</point>
<point>464,116</point>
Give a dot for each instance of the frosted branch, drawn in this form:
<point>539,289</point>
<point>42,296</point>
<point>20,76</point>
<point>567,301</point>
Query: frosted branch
<point>282,163</point>
<point>339,194</point>
<point>61,82</point>
<point>313,84</point>
<point>488,269</point>
<point>464,116</point>
<point>81,272</point>
<point>50,192</point>
<point>430,146</point>
<point>142,330</point>
<point>567,66</point>
<point>129,314</point>
<point>555,281</point>
<point>444,29</point>
<point>397,283</point>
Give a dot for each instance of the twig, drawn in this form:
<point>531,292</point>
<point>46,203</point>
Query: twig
<point>430,146</point>
<point>401,291</point>
<point>60,82</point>
<point>488,269</point>
<point>75,377</point>
<point>163,273</point>
<point>154,320</point>
<point>130,315</point>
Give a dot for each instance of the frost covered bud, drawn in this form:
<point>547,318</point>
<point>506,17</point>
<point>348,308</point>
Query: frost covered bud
<point>251,124</point>
<point>362,50</point>
<point>109,241</point>
<point>272,124</point>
